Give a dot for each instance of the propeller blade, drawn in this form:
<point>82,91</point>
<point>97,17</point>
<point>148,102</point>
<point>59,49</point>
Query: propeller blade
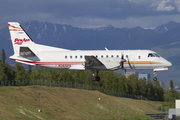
<point>122,61</point>
<point>129,62</point>
<point>122,65</point>
<point>122,56</point>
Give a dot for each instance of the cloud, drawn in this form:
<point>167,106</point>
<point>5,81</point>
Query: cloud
<point>145,22</point>
<point>88,12</point>
<point>137,1</point>
<point>162,6</point>
<point>177,2</point>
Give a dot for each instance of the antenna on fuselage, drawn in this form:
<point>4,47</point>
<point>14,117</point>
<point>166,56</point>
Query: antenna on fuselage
<point>106,49</point>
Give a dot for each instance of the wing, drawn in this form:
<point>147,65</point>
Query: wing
<point>92,61</point>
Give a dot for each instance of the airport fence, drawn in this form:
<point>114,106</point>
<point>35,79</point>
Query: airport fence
<point>78,86</point>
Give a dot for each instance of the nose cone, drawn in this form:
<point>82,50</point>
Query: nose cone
<point>168,64</point>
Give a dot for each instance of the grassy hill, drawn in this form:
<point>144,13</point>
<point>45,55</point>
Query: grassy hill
<point>22,103</point>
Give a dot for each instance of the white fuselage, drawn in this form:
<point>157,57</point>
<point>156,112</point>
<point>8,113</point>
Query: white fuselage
<point>74,60</point>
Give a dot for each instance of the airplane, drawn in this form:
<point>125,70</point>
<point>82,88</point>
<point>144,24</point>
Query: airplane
<point>28,52</point>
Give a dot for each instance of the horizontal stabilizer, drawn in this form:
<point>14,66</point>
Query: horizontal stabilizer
<point>26,52</point>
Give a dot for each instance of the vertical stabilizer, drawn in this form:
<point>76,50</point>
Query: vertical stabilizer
<point>19,37</point>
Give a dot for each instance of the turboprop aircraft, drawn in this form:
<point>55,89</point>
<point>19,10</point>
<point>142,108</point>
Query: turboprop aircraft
<point>28,52</point>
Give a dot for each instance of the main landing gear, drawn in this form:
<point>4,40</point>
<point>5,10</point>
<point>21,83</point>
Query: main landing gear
<point>95,78</point>
<point>155,78</point>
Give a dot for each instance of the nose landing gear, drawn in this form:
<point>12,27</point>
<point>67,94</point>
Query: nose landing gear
<point>155,78</point>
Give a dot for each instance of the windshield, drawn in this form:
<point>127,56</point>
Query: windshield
<point>153,55</point>
<point>156,55</point>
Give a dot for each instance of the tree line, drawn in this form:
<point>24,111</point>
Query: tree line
<point>110,80</point>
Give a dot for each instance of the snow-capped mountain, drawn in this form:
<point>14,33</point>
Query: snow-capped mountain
<point>166,43</point>
<point>166,27</point>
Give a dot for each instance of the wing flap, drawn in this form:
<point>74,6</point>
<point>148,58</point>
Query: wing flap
<point>92,61</point>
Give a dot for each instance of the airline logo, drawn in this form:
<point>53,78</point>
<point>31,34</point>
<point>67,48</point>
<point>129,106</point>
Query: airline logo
<point>20,41</point>
<point>13,28</point>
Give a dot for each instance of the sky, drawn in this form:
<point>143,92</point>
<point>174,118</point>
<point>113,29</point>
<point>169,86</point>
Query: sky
<point>92,13</point>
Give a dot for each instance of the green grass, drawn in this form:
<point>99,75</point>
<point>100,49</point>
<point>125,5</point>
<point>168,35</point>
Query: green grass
<point>22,103</point>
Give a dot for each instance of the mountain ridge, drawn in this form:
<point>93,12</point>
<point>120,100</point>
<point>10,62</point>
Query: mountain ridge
<point>165,27</point>
<point>74,38</point>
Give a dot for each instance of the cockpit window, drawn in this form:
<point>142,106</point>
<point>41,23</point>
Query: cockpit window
<point>150,55</point>
<point>157,55</point>
<point>153,55</point>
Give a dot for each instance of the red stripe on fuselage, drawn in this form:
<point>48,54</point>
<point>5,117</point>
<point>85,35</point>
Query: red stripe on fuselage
<point>80,63</point>
<point>49,63</point>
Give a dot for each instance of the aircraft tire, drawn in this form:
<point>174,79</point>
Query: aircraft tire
<point>93,78</point>
<point>97,78</point>
<point>155,78</point>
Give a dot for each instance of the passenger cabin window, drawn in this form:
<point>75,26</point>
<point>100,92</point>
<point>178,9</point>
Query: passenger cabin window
<point>81,56</point>
<point>66,57</point>
<point>101,56</point>
<point>71,57</point>
<point>112,56</point>
<point>76,57</point>
<point>96,56</point>
<point>107,56</point>
<point>117,55</point>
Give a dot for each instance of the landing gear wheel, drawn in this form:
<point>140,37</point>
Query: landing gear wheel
<point>155,78</point>
<point>93,78</point>
<point>97,78</point>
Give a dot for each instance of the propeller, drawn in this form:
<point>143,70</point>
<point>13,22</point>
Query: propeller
<point>122,61</point>
<point>128,61</point>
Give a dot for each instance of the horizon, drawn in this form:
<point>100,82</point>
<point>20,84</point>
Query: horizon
<point>95,27</point>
